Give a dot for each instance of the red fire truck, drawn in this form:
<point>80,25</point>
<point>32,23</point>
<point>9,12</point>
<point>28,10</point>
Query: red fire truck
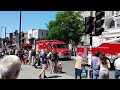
<point>59,46</point>
<point>110,49</point>
<point>107,48</point>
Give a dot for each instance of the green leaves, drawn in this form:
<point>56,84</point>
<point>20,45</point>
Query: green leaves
<point>68,26</point>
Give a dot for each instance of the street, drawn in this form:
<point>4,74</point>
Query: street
<point>29,72</point>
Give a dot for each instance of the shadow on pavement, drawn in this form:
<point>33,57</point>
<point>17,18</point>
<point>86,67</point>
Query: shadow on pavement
<point>55,76</point>
<point>66,59</point>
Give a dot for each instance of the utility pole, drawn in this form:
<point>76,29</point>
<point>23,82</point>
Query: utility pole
<point>5,32</point>
<point>20,31</point>
<point>91,14</point>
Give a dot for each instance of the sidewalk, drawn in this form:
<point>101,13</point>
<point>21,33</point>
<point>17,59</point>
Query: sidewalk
<point>29,72</point>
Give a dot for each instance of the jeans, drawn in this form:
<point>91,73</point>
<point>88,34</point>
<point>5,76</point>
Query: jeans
<point>95,74</point>
<point>78,73</point>
<point>117,74</point>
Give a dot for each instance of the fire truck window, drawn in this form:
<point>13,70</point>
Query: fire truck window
<point>61,46</point>
<point>53,46</point>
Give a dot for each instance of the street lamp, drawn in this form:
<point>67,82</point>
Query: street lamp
<point>20,31</point>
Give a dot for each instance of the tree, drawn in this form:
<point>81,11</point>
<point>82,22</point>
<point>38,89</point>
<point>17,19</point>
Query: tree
<point>68,27</point>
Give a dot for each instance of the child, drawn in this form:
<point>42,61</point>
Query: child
<point>59,67</point>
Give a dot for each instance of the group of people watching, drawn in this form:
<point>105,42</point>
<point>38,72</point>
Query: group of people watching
<point>100,66</point>
<point>10,65</point>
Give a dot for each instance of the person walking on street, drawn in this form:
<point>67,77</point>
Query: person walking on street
<point>117,67</point>
<point>44,64</point>
<point>37,57</point>
<point>95,68</point>
<point>33,54</point>
<point>104,65</point>
<point>21,55</point>
<point>78,65</point>
<point>49,60</point>
<point>53,61</point>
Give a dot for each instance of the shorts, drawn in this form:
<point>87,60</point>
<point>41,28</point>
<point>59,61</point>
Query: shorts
<point>53,64</point>
<point>44,67</point>
<point>77,72</point>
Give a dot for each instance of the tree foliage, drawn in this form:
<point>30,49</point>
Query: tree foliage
<point>68,27</point>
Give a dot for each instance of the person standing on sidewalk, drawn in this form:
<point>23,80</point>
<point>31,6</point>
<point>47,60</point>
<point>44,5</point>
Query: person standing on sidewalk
<point>117,67</point>
<point>33,54</point>
<point>78,65</point>
<point>44,64</point>
<point>29,56</point>
<point>104,65</point>
<point>54,61</point>
<point>95,68</point>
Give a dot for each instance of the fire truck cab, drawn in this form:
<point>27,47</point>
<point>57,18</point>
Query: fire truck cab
<point>59,46</point>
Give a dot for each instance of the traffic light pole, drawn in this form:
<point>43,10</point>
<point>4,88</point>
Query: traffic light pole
<point>20,31</point>
<point>90,53</point>
<point>91,14</point>
<point>5,32</point>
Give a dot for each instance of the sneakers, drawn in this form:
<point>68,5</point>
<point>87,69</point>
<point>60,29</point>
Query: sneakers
<point>41,77</point>
<point>45,76</point>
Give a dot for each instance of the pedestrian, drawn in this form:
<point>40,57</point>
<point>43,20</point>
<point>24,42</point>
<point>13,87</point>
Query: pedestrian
<point>37,57</point>
<point>44,64</point>
<point>10,67</point>
<point>117,67</point>
<point>26,56</point>
<point>33,54</point>
<point>95,68</point>
<point>78,65</point>
<point>21,56</point>
<point>29,56</point>
<point>74,51</point>
<point>104,66</point>
<point>53,61</point>
<point>49,60</point>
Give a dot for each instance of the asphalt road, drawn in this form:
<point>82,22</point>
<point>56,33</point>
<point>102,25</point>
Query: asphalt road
<point>68,67</point>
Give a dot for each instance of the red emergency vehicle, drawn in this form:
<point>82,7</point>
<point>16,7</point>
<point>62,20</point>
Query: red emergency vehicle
<point>107,48</point>
<point>59,46</point>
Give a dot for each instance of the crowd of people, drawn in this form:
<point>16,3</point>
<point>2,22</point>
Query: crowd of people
<point>100,66</point>
<point>43,59</point>
<point>10,65</point>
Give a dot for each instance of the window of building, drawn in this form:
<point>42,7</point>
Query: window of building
<point>112,24</point>
<point>42,33</point>
<point>30,35</point>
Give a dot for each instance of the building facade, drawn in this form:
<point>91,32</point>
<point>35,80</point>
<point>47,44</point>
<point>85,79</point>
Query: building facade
<point>111,26</point>
<point>37,33</point>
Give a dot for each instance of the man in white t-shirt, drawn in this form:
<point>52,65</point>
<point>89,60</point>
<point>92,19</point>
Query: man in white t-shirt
<point>117,68</point>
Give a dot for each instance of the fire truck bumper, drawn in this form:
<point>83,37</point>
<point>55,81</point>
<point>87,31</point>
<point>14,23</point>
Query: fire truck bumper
<point>64,56</point>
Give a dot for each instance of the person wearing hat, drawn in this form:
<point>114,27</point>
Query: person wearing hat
<point>117,67</point>
<point>78,65</point>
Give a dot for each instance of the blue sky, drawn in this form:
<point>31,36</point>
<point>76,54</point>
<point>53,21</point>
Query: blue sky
<point>30,19</point>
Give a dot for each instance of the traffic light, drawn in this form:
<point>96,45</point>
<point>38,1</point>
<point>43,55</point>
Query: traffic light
<point>22,34</point>
<point>16,32</point>
<point>89,25</point>
<point>31,40</point>
<point>99,22</point>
